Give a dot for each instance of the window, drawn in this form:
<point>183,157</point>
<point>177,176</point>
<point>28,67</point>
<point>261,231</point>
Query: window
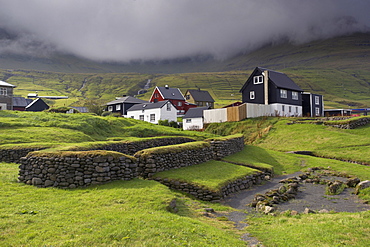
<point>179,103</point>
<point>188,120</point>
<point>188,96</point>
<point>258,79</point>
<point>290,109</point>
<point>251,95</point>
<point>296,109</point>
<point>110,108</point>
<point>152,117</point>
<point>283,93</point>
<point>141,117</point>
<point>317,100</point>
<point>168,106</point>
<point>295,95</point>
<point>3,91</point>
<point>283,107</point>
<point>118,107</point>
<point>132,117</point>
<point>317,111</point>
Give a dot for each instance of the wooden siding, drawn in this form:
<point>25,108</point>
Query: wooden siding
<point>236,113</point>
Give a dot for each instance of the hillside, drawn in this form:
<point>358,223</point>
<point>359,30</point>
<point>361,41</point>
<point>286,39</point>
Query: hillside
<point>336,68</point>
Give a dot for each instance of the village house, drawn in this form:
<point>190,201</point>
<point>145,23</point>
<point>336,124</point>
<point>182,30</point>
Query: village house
<point>153,112</point>
<point>23,104</point>
<point>174,95</point>
<point>193,119</point>
<point>199,98</point>
<point>6,96</point>
<point>121,105</point>
<point>313,105</point>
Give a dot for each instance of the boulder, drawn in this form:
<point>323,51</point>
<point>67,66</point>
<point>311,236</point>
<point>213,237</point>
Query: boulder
<point>362,185</point>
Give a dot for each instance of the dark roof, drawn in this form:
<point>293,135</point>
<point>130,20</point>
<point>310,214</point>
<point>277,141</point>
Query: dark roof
<point>127,99</point>
<point>171,93</point>
<point>195,112</point>
<point>200,95</point>
<point>34,102</point>
<point>21,102</point>
<point>148,105</point>
<point>281,80</point>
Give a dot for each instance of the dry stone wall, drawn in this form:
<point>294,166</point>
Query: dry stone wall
<point>76,169</point>
<point>351,124</point>
<point>71,169</point>
<point>11,155</point>
<point>209,195</point>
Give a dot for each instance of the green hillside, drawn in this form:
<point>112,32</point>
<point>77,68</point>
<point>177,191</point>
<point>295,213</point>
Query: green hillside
<point>336,68</point>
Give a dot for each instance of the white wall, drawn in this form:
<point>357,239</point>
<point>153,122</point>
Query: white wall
<point>258,110</point>
<point>160,114</point>
<point>196,123</point>
<point>3,106</point>
<point>215,115</point>
<point>277,110</point>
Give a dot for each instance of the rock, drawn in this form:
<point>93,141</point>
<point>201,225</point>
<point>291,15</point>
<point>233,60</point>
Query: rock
<point>362,185</point>
<point>268,210</point>
<point>308,211</point>
<point>324,211</point>
<point>48,183</point>
<point>293,212</point>
<point>36,181</point>
<point>334,188</point>
<point>352,182</point>
<point>209,210</point>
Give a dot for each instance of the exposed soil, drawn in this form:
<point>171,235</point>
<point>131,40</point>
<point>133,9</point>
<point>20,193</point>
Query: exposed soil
<point>310,196</point>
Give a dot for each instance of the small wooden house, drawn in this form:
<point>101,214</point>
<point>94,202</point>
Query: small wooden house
<point>266,87</point>
<point>199,98</point>
<point>121,105</point>
<point>6,96</point>
<point>152,112</point>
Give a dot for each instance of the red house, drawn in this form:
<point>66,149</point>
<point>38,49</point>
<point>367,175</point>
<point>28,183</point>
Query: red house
<point>174,95</point>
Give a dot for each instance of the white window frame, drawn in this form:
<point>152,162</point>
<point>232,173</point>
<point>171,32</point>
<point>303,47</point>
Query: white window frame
<point>317,100</point>
<point>152,117</point>
<point>317,111</point>
<point>252,95</point>
<point>294,95</point>
<point>290,109</point>
<point>168,106</point>
<point>283,93</point>
<point>110,108</point>
<point>141,117</point>
<point>179,103</point>
<point>3,91</point>
<point>118,107</point>
<point>258,79</point>
<point>188,120</point>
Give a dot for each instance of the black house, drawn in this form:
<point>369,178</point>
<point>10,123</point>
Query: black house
<point>272,91</point>
<point>121,105</point>
<point>23,104</point>
<point>313,105</point>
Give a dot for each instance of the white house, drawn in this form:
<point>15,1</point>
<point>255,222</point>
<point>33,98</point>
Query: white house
<point>193,119</point>
<point>152,112</point>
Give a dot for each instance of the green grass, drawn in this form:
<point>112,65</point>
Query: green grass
<point>212,175</point>
<point>121,213</point>
<point>340,229</point>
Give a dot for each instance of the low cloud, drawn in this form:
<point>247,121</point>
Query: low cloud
<point>131,30</point>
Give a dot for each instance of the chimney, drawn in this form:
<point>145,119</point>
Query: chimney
<point>266,86</point>
<point>166,86</point>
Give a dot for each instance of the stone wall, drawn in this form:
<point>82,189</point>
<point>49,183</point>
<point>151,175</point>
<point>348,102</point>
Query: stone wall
<point>132,147</point>
<point>155,160</point>
<point>11,155</point>
<point>208,195</point>
<point>223,147</point>
<point>350,124</point>
<point>76,169</point>
<point>70,169</point>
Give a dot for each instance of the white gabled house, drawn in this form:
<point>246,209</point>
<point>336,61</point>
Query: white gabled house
<point>194,118</point>
<point>152,112</point>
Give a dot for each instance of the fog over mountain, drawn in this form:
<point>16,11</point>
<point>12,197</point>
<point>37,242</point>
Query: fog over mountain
<point>140,30</point>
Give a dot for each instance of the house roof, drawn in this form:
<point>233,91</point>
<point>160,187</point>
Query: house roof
<point>21,102</point>
<point>5,84</point>
<point>33,102</point>
<point>148,105</point>
<point>127,99</point>
<point>281,80</point>
<point>196,112</point>
<point>170,93</point>
<point>81,109</point>
<point>200,95</point>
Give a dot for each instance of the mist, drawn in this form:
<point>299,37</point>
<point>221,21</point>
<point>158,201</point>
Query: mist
<point>141,30</point>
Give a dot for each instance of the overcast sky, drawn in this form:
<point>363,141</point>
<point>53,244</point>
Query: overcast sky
<point>125,30</point>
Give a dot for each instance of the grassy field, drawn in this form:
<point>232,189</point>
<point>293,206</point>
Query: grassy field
<point>133,213</point>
